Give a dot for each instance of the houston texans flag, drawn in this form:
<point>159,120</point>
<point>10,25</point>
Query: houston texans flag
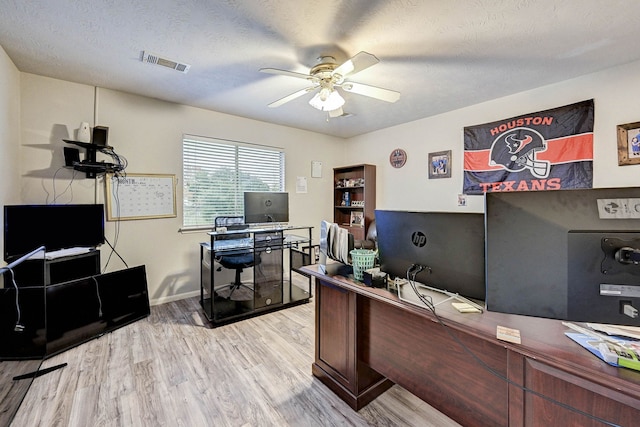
<point>547,150</point>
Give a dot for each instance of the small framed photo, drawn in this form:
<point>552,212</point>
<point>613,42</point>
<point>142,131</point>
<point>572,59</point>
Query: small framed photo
<point>357,219</point>
<point>629,144</point>
<point>440,164</point>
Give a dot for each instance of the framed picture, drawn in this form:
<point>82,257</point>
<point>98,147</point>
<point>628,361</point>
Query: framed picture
<point>357,219</point>
<point>440,164</point>
<point>629,144</point>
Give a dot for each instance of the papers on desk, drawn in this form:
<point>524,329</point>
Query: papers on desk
<point>618,330</point>
<point>60,253</point>
<point>625,354</point>
<point>614,350</point>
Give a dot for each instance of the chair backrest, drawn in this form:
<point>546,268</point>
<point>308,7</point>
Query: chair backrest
<point>231,223</point>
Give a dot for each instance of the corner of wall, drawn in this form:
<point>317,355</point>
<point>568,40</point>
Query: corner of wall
<point>9,132</point>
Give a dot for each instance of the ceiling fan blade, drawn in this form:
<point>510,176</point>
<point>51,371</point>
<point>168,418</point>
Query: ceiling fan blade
<point>372,91</point>
<point>291,97</point>
<point>287,73</point>
<point>336,113</point>
<point>360,61</point>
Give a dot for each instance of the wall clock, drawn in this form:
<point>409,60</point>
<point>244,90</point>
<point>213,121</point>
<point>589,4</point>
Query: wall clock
<point>398,158</point>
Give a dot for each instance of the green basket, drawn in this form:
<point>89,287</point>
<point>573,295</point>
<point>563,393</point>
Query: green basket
<point>361,260</point>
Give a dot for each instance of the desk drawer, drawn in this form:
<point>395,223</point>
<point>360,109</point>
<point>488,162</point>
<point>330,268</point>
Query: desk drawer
<point>261,240</point>
<point>268,276</point>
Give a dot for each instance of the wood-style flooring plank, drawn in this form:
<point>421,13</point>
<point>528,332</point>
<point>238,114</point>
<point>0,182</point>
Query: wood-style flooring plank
<point>174,369</point>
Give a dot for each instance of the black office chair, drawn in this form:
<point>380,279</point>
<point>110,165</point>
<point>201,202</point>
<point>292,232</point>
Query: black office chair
<point>235,261</point>
<point>371,240</point>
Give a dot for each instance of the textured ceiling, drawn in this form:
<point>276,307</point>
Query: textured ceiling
<point>441,55</point>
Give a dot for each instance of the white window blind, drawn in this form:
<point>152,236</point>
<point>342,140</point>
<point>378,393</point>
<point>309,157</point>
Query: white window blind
<point>216,173</point>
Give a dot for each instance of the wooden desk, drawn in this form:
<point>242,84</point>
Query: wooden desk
<point>367,339</point>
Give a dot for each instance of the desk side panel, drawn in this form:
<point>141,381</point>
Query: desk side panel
<point>334,332</point>
<point>337,362</point>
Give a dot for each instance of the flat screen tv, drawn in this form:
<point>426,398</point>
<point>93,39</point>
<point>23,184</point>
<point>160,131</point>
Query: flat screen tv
<point>266,206</point>
<point>564,254</point>
<point>86,308</point>
<point>27,227</point>
<point>449,245</point>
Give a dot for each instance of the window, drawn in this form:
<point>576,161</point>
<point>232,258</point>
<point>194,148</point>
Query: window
<point>216,173</point>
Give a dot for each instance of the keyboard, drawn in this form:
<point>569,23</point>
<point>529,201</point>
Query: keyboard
<point>245,243</point>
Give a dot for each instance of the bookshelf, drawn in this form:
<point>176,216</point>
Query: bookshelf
<point>354,198</point>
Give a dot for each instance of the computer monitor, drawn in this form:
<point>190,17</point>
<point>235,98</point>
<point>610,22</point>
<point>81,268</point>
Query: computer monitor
<point>266,206</point>
<point>564,254</point>
<point>52,226</point>
<point>450,247</point>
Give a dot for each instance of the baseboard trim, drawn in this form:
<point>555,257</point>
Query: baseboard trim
<point>171,298</point>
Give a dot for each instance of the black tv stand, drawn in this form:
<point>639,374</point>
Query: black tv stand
<point>81,303</point>
<point>59,270</point>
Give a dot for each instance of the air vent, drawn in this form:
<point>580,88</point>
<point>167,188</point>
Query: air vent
<point>152,58</point>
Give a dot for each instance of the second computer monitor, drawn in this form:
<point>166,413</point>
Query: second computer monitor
<point>565,254</point>
<point>266,206</point>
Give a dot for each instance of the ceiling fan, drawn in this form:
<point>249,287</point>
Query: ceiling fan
<point>327,76</point>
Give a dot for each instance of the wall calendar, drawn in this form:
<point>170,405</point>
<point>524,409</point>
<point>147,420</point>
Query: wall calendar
<point>140,196</point>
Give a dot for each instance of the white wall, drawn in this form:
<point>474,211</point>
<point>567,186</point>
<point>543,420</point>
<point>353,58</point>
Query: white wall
<point>52,111</point>
<point>148,133</point>
<point>615,93</point>
<point>9,134</point>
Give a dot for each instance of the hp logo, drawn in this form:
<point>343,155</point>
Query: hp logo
<point>418,239</point>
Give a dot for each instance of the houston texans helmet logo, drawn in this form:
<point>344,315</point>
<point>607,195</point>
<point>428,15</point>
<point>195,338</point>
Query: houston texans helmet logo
<point>516,150</point>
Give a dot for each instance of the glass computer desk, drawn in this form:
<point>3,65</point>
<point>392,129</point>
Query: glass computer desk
<point>269,279</point>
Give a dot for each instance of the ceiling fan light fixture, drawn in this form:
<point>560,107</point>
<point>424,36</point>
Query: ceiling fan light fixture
<point>327,76</point>
<point>325,92</point>
<point>327,100</point>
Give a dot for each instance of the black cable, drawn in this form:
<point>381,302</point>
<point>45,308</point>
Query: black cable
<point>19,326</point>
<point>98,295</point>
<point>113,250</point>
<point>118,160</point>
<point>428,302</point>
<point>69,187</point>
<point>117,225</point>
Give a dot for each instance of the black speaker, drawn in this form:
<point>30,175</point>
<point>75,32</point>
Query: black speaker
<point>100,135</point>
<point>71,156</point>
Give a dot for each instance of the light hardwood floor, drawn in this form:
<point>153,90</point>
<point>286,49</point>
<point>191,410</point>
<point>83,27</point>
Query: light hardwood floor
<point>174,369</point>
